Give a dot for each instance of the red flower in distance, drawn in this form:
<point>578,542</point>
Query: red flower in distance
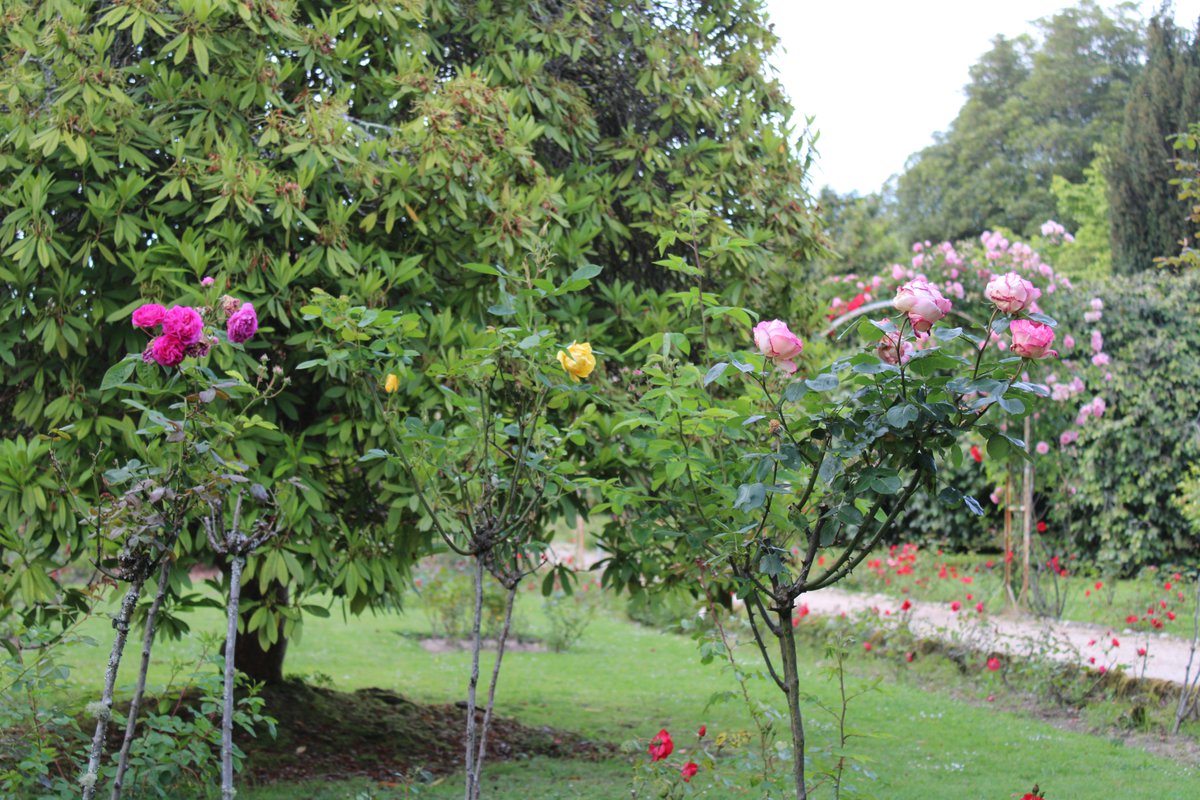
<point>993,664</point>
<point>689,771</point>
<point>955,606</point>
<point>976,454</point>
<point>1141,651</point>
<point>1132,618</point>
<point>1041,526</point>
<point>661,746</point>
<point>703,730</point>
<point>905,606</point>
<point>867,646</point>
<point>909,657</point>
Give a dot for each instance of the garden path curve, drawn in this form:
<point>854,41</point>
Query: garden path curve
<point>1166,656</point>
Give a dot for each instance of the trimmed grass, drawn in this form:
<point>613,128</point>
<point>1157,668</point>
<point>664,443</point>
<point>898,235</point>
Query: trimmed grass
<point>624,681</point>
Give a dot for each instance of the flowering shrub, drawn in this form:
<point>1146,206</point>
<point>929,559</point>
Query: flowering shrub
<point>784,485</point>
<point>1015,278</point>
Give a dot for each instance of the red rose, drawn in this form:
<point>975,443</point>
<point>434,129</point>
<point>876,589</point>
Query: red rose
<point>993,664</point>
<point>661,746</point>
<point>703,730</point>
<point>689,771</point>
<point>1041,526</point>
<point>976,454</point>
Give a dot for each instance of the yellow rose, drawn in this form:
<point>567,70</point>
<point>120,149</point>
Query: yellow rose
<point>392,383</point>
<point>577,360</point>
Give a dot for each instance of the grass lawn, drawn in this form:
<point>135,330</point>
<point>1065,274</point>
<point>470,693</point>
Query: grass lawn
<point>625,681</point>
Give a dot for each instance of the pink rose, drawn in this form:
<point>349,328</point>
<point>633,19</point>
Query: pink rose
<point>243,324</point>
<point>168,350</point>
<point>1032,339</point>
<point>776,342</point>
<point>149,315</point>
<point>207,281</point>
<point>891,351</point>
<point>1011,293</point>
<point>184,323</point>
<point>1042,448</point>
<point>922,302</point>
<point>1068,341</point>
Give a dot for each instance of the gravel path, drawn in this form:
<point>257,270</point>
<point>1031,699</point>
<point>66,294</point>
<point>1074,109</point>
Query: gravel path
<point>1166,656</point>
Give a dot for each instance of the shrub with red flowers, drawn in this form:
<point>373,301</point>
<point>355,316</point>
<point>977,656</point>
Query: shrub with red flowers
<point>666,777</point>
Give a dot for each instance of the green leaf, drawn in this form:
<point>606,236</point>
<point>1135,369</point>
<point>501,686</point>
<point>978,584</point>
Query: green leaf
<point>824,382</point>
<point>1045,320</point>
<point>119,373</point>
<point>486,269</point>
<point>1012,405</point>
<point>998,447</point>
<point>750,496</point>
<point>714,372</point>
<point>902,415</point>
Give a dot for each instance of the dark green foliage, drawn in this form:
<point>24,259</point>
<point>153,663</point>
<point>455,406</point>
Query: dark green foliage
<point>367,149</point>
<point>1034,109</point>
<point>1134,458</point>
<point>1148,218</point>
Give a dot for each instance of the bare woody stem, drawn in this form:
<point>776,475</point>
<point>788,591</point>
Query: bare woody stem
<point>491,701</point>
<point>235,587</point>
<point>476,645</point>
<point>91,777</point>
<point>135,703</point>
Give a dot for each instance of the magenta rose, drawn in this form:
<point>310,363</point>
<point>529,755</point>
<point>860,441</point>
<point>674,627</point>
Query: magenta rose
<point>184,323</point>
<point>1011,293</point>
<point>168,350</point>
<point>1032,339</point>
<point>149,315</point>
<point>923,303</point>
<point>242,324</point>
<point>890,352</point>
<point>775,341</point>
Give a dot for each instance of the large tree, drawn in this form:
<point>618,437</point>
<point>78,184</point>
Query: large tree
<point>1035,107</point>
<point>364,148</point>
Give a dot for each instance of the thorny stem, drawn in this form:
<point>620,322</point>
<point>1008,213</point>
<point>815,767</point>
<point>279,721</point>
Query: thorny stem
<point>91,777</point>
<point>491,701</point>
<point>235,587</point>
<point>164,572</point>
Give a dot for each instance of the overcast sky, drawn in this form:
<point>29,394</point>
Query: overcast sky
<point>882,76</point>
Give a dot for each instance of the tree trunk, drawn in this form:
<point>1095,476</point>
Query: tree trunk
<point>263,666</point>
<point>231,637</point>
<point>91,778</point>
<point>791,688</point>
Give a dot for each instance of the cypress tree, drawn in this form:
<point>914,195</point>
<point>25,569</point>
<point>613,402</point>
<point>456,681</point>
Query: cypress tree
<point>1148,219</point>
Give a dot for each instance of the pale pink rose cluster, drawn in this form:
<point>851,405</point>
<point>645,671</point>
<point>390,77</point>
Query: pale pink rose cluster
<point>775,341</point>
<point>1011,293</point>
<point>1032,339</point>
<point>922,302</point>
<point>183,333</point>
